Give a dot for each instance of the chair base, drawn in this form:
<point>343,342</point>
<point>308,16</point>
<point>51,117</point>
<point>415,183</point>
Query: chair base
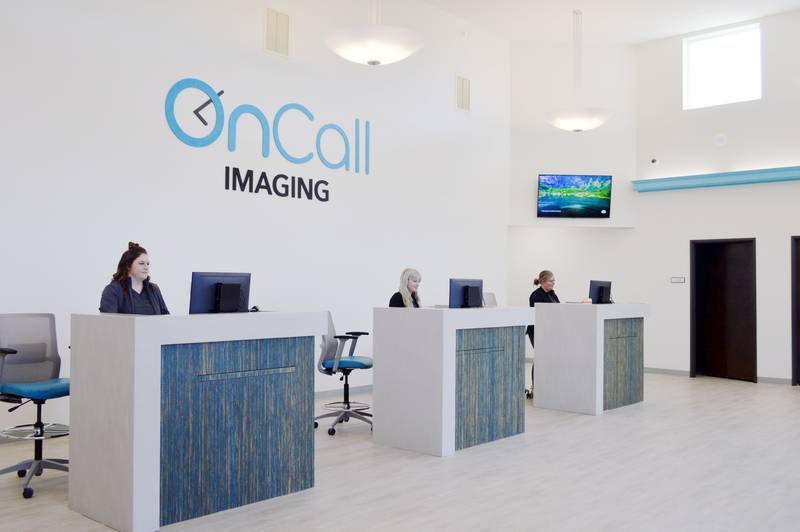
<point>345,409</point>
<point>38,432</point>
<point>343,415</point>
<point>31,468</point>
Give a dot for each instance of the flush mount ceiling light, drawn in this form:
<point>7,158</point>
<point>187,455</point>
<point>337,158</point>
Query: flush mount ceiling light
<point>374,43</point>
<point>578,118</point>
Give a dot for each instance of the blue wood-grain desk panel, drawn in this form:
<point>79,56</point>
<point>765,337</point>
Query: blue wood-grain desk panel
<point>236,424</point>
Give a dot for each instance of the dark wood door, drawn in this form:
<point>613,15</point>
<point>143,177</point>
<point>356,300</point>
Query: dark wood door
<point>723,309</point>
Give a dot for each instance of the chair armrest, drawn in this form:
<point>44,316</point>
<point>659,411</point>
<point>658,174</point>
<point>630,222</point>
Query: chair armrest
<point>345,337</point>
<point>7,351</point>
<point>357,333</point>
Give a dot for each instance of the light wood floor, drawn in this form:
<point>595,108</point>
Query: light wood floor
<point>699,454</point>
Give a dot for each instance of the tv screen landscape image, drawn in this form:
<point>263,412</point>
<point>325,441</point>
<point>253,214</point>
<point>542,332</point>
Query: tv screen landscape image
<point>574,196</point>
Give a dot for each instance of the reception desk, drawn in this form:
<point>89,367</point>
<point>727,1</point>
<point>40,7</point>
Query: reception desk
<point>589,358</point>
<point>175,417</point>
<point>446,379</point>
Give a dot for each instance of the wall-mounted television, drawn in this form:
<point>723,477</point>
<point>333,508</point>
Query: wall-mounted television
<point>574,196</point>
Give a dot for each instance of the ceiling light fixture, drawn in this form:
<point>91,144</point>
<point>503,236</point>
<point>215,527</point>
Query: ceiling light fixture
<point>578,118</point>
<point>374,44</point>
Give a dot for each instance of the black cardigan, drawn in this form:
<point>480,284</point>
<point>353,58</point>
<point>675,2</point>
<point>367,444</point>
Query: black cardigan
<point>397,300</point>
<point>117,299</point>
<point>540,296</point>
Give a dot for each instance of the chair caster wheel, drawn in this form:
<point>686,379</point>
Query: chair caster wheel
<point>38,473</point>
<point>316,424</point>
<point>346,419</point>
<point>21,473</point>
<point>27,493</point>
<point>331,431</point>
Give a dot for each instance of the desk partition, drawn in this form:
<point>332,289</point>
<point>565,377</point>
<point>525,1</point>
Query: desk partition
<point>448,379</point>
<point>175,417</point>
<point>589,358</point>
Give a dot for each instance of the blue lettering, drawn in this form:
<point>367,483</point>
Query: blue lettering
<point>256,112</point>
<point>366,147</point>
<point>235,180</point>
<point>276,125</point>
<point>345,159</point>
<point>169,109</point>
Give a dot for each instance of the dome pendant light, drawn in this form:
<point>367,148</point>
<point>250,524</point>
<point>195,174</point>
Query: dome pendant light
<point>374,44</point>
<point>578,118</point>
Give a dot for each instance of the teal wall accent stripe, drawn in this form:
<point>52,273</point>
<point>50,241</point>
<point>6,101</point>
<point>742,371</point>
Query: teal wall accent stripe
<point>623,362</point>
<point>722,179</point>
<point>490,384</point>
<point>236,424</point>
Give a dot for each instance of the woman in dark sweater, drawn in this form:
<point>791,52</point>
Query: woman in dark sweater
<point>130,290</point>
<point>544,294</point>
<point>408,295</point>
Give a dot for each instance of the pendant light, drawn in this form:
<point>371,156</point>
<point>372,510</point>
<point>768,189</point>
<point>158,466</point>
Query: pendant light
<point>578,118</point>
<point>374,43</point>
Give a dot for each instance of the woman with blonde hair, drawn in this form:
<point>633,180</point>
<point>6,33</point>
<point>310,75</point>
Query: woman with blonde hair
<point>408,295</point>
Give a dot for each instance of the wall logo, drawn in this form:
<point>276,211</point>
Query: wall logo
<point>355,157</point>
<point>351,159</point>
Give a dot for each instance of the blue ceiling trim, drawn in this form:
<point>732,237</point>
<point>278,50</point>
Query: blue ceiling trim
<point>722,179</point>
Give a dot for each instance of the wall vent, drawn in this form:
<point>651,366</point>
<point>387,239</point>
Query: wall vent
<point>277,34</point>
<point>462,93</point>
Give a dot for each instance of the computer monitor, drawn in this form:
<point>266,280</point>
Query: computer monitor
<point>466,293</point>
<point>219,292</point>
<point>600,291</point>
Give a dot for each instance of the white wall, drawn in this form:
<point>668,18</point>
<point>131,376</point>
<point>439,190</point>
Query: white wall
<point>541,84</point>
<point>541,75</point>
<point>640,260</point>
<point>90,163</point>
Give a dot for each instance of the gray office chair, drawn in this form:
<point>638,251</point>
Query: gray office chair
<point>29,368</point>
<point>331,362</point>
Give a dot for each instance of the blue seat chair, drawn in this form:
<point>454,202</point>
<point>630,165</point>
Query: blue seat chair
<point>29,369</point>
<point>331,361</point>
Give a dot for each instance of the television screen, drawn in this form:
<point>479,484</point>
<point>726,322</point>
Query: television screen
<point>574,196</point>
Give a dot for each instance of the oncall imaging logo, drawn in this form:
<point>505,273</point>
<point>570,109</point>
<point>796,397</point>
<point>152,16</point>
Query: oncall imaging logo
<point>247,109</point>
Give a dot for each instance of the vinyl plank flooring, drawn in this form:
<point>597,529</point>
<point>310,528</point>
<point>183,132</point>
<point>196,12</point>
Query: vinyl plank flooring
<point>698,454</point>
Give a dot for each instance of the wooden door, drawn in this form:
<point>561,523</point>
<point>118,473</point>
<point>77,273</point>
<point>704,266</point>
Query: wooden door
<point>723,309</point>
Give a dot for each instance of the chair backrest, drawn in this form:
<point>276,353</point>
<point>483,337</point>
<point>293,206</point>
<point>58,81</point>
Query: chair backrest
<point>34,337</point>
<point>328,350</point>
<point>328,347</point>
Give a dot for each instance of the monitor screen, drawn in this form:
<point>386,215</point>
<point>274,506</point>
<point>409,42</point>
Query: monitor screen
<point>466,293</point>
<point>600,291</point>
<point>574,196</point>
<point>212,292</point>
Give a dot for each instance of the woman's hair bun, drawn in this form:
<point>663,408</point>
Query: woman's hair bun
<point>133,245</point>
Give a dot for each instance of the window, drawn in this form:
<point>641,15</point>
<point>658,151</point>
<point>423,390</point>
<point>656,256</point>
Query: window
<point>722,67</point>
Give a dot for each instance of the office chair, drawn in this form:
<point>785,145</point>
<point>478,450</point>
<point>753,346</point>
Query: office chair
<point>331,362</point>
<point>29,368</point>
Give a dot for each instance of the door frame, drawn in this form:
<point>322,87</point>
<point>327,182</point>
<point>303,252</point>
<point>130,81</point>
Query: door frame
<point>693,296</point>
<point>794,252</point>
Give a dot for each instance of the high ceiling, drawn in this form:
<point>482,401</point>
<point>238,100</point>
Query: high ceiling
<point>621,21</point>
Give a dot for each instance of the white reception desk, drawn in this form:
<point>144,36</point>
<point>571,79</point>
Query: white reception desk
<point>588,358</point>
<point>165,411</point>
<point>445,379</point>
